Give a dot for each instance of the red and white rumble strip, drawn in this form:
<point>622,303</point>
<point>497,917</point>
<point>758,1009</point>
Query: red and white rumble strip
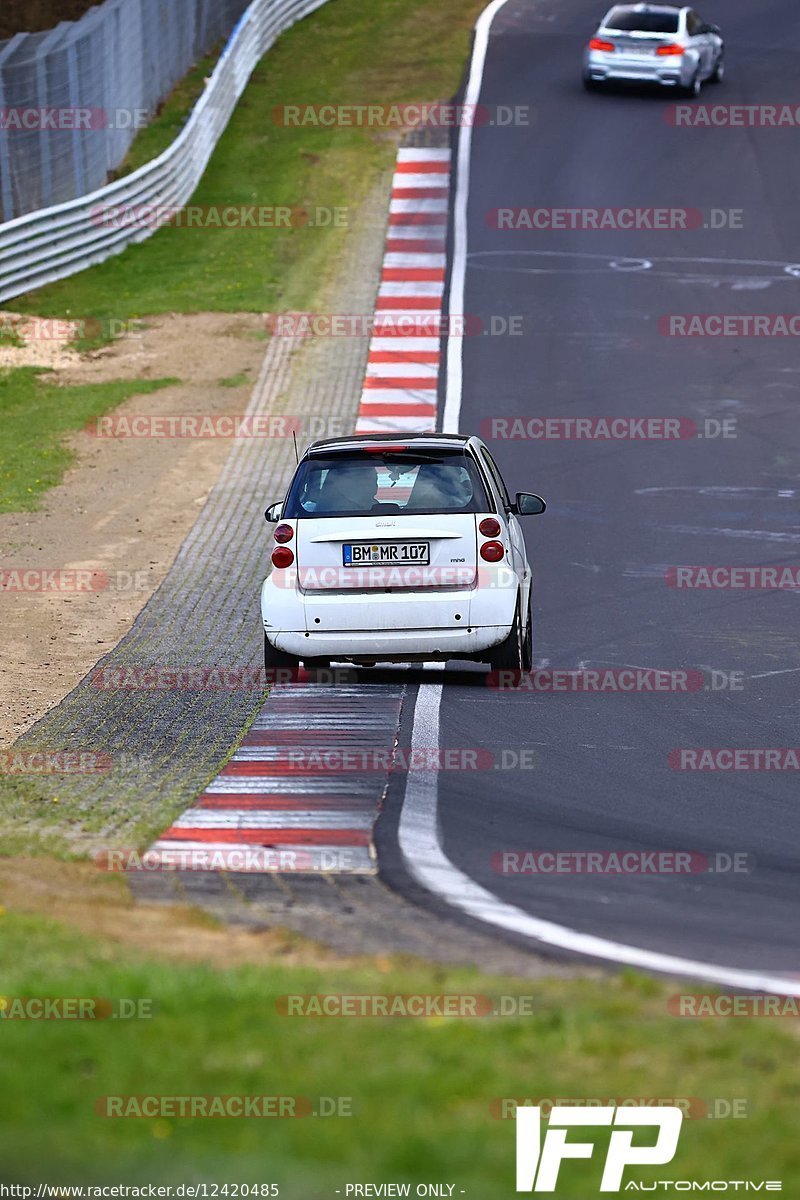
<point>272,809</point>
<point>400,388</point>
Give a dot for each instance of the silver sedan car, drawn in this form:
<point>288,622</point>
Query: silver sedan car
<point>654,43</point>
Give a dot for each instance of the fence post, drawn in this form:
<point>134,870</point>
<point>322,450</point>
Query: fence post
<point>78,172</point>
<point>44,49</point>
<point>6,190</point>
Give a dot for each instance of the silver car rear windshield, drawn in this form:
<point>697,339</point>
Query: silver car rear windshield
<point>643,22</point>
<point>372,483</point>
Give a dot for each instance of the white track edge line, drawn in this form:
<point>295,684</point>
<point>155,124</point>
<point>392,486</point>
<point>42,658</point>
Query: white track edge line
<point>420,843</point>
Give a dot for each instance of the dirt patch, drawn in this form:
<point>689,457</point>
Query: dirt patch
<point>125,506</point>
<point>37,344</point>
<point>101,906</point>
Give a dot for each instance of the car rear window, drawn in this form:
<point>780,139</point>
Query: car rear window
<point>363,484</point>
<point>643,22</point>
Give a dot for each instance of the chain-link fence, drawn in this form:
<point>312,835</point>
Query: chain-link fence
<point>72,98</point>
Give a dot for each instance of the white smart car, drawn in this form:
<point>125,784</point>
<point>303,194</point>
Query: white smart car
<point>396,548</point>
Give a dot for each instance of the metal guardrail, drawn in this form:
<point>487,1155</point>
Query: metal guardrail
<point>55,242</point>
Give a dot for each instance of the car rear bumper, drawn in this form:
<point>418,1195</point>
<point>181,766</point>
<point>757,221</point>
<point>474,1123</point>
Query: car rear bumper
<point>668,72</point>
<point>402,645</point>
<point>423,624</point>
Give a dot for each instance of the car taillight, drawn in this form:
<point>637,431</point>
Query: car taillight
<point>282,557</point>
<point>489,527</point>
<point>284,533</point>
<point>599,44</point>
<point>492,551</point>
<point>670,50</point>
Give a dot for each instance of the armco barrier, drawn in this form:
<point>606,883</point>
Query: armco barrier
<point>55,242</point>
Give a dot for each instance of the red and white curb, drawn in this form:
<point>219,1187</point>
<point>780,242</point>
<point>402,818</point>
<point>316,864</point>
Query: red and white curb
<point>401,385</point>
<point>303,791</point>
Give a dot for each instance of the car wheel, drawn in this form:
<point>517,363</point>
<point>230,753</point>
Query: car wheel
<point>591,85</point>
<point>718,73</point>
<point>527,642</point>
<point>509,654</point>
<point>692,90</point>
<point>274,659</point>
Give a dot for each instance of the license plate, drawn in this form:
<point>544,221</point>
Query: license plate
<point>401,554</point>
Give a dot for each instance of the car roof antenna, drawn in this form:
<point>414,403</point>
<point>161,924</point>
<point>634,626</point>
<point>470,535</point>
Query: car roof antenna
<point>296,455</point>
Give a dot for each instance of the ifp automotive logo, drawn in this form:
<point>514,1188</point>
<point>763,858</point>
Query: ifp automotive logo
<point>539,1161</point>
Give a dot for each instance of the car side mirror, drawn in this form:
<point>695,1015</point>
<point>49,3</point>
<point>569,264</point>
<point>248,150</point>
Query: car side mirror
<point>527,504</point>
<point>273,513</point>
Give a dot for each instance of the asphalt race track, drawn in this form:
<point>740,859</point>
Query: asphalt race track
<point>621,513</point>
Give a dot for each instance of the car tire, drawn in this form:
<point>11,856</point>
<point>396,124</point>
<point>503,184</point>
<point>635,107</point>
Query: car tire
<point>275,660</point>
<point>508,656</point>
<point>527,642</point>
<point>591,85</point>
<point>692,90</point>
<point>718,74</point>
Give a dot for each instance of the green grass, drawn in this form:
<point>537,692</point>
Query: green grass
<point>9,338</point>
<point>170,118</point>
<point>421,1089</point>
<point>350,52</point>
<point>35,414</point>
<point>233,381</point>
